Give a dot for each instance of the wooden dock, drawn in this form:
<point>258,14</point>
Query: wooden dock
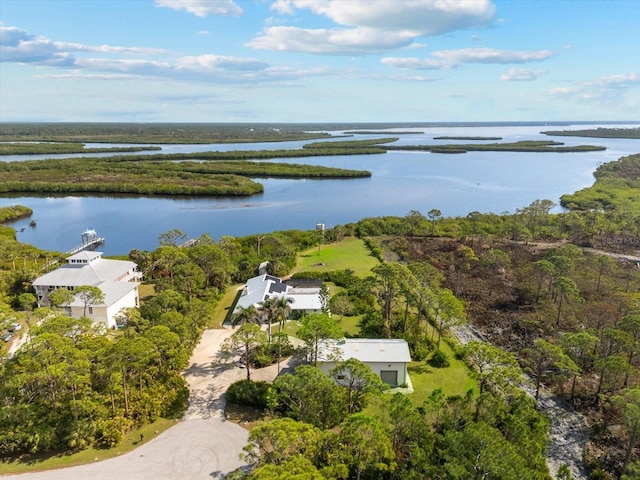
<point>88,245</point>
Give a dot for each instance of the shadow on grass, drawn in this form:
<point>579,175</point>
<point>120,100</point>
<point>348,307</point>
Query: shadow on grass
<point>423,368</point>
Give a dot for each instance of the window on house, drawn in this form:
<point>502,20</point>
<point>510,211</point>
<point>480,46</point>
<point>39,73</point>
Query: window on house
<point>90,310</point>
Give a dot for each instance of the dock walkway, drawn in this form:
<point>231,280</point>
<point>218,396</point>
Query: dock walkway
<point>94,242</point>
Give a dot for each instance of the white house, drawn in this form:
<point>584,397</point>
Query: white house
<point>305,298</point>
<point>388,358</point>
<point>117,279</point>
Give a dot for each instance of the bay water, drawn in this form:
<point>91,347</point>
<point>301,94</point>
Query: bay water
<point>455,184</point>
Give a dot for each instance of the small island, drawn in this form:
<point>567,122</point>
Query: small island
<point>522,146</point>
<point>35,148</point>
<point>467,138</point>
<point>632,133</point>
<point>14,212</point>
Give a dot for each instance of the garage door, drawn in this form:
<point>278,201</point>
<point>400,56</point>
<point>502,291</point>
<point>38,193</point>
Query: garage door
<point>390,377</point>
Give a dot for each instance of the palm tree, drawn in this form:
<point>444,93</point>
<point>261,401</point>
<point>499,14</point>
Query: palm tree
<point>246,315</point>
<point>276,309</point>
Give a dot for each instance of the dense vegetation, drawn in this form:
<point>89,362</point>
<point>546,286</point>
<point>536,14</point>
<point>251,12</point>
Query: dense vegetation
<point>617,189</point>
<point>28,148</point>
<point>522,146</point>
<point>467,138</point>
<point>15,212</point>
<point>566,315</point>
<point>160,174</point>
<point>154,133</point>
<point>599,132</point>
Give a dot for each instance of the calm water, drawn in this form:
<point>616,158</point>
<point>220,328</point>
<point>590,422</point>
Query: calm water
<point>400,182</point>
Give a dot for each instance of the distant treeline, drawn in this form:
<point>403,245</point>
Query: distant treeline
<point>522,146</point>
<point>31,148</point>
<point>467,138</point>
<point>154,133</point>
<point>374,132</point>
<point>598,133</point>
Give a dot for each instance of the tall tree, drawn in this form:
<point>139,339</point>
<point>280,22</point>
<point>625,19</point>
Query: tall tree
<point>276,310</point>
<point>172,238</point>
<point>243,342</point>
<point>628,403</point>
<point>434,214</point>
<point>565,290</point>
<point>366,446</point>
<point>545,360</point>
<point>308,395</point>
<point>580,347</point>
<point>495,369</point>
<point>543,270</point>
<point>605,264</point>
<point>89,295</point>
<point>359,380</point>
<point>315,328</point>
<point>60,297</point>
<point>390,278</point>
<point>244,315</point>
<point>281,440</point>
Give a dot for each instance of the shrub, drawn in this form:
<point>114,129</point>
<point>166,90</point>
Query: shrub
<point>439,360</point>
<point>248,392</point>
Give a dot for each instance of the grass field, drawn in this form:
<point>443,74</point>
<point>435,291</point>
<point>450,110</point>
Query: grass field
<point>350,253</point>
<point>454,380</point>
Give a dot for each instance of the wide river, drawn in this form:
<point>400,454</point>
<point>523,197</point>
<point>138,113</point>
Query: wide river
<point>400,182</point>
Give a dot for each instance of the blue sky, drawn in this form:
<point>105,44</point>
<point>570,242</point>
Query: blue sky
<point>319,60</point>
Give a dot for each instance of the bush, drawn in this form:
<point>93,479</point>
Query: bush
<point>439,360</point>
<point>248,392</point>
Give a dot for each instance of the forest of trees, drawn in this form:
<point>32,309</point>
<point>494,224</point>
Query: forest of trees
<point>529,281</point>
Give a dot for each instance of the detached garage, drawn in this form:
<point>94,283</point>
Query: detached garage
<point>386,357</point>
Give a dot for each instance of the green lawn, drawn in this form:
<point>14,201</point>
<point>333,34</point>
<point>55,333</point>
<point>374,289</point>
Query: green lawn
<point>350,253</point>
<point>454,380</point>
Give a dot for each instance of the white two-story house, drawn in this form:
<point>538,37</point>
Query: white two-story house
<point>117,279</point>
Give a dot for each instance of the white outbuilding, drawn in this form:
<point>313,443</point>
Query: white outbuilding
<point>389,358</point>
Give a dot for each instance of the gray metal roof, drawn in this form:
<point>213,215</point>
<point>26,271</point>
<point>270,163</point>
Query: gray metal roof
<point>92,273</point>
<point>368,350</point>
<point>112,291</point>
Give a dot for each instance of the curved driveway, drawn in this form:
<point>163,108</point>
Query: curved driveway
<point>203,445</point>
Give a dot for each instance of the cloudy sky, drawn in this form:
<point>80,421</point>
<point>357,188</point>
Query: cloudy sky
<point>319,60</point>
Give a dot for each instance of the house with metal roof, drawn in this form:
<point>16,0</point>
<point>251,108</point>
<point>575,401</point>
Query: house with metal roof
<point>118,280</point>
<point>305,298</point>
<point>389,358</point>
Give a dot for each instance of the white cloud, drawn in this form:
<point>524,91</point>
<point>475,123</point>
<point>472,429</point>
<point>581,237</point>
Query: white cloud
<point>490,55</point>
<point>618,81</point>
<point>445,59</point>
<point>413,63</point>
<point>372,26</point>
<point>422,17</point>
<point>202,8</point>
<point>329,41</point>
<point>200,67</point>
<point>607,90</point>
<point>114,62</point>
<point>521,75</point>
<point>78,47</point>
<point>19,46</point>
